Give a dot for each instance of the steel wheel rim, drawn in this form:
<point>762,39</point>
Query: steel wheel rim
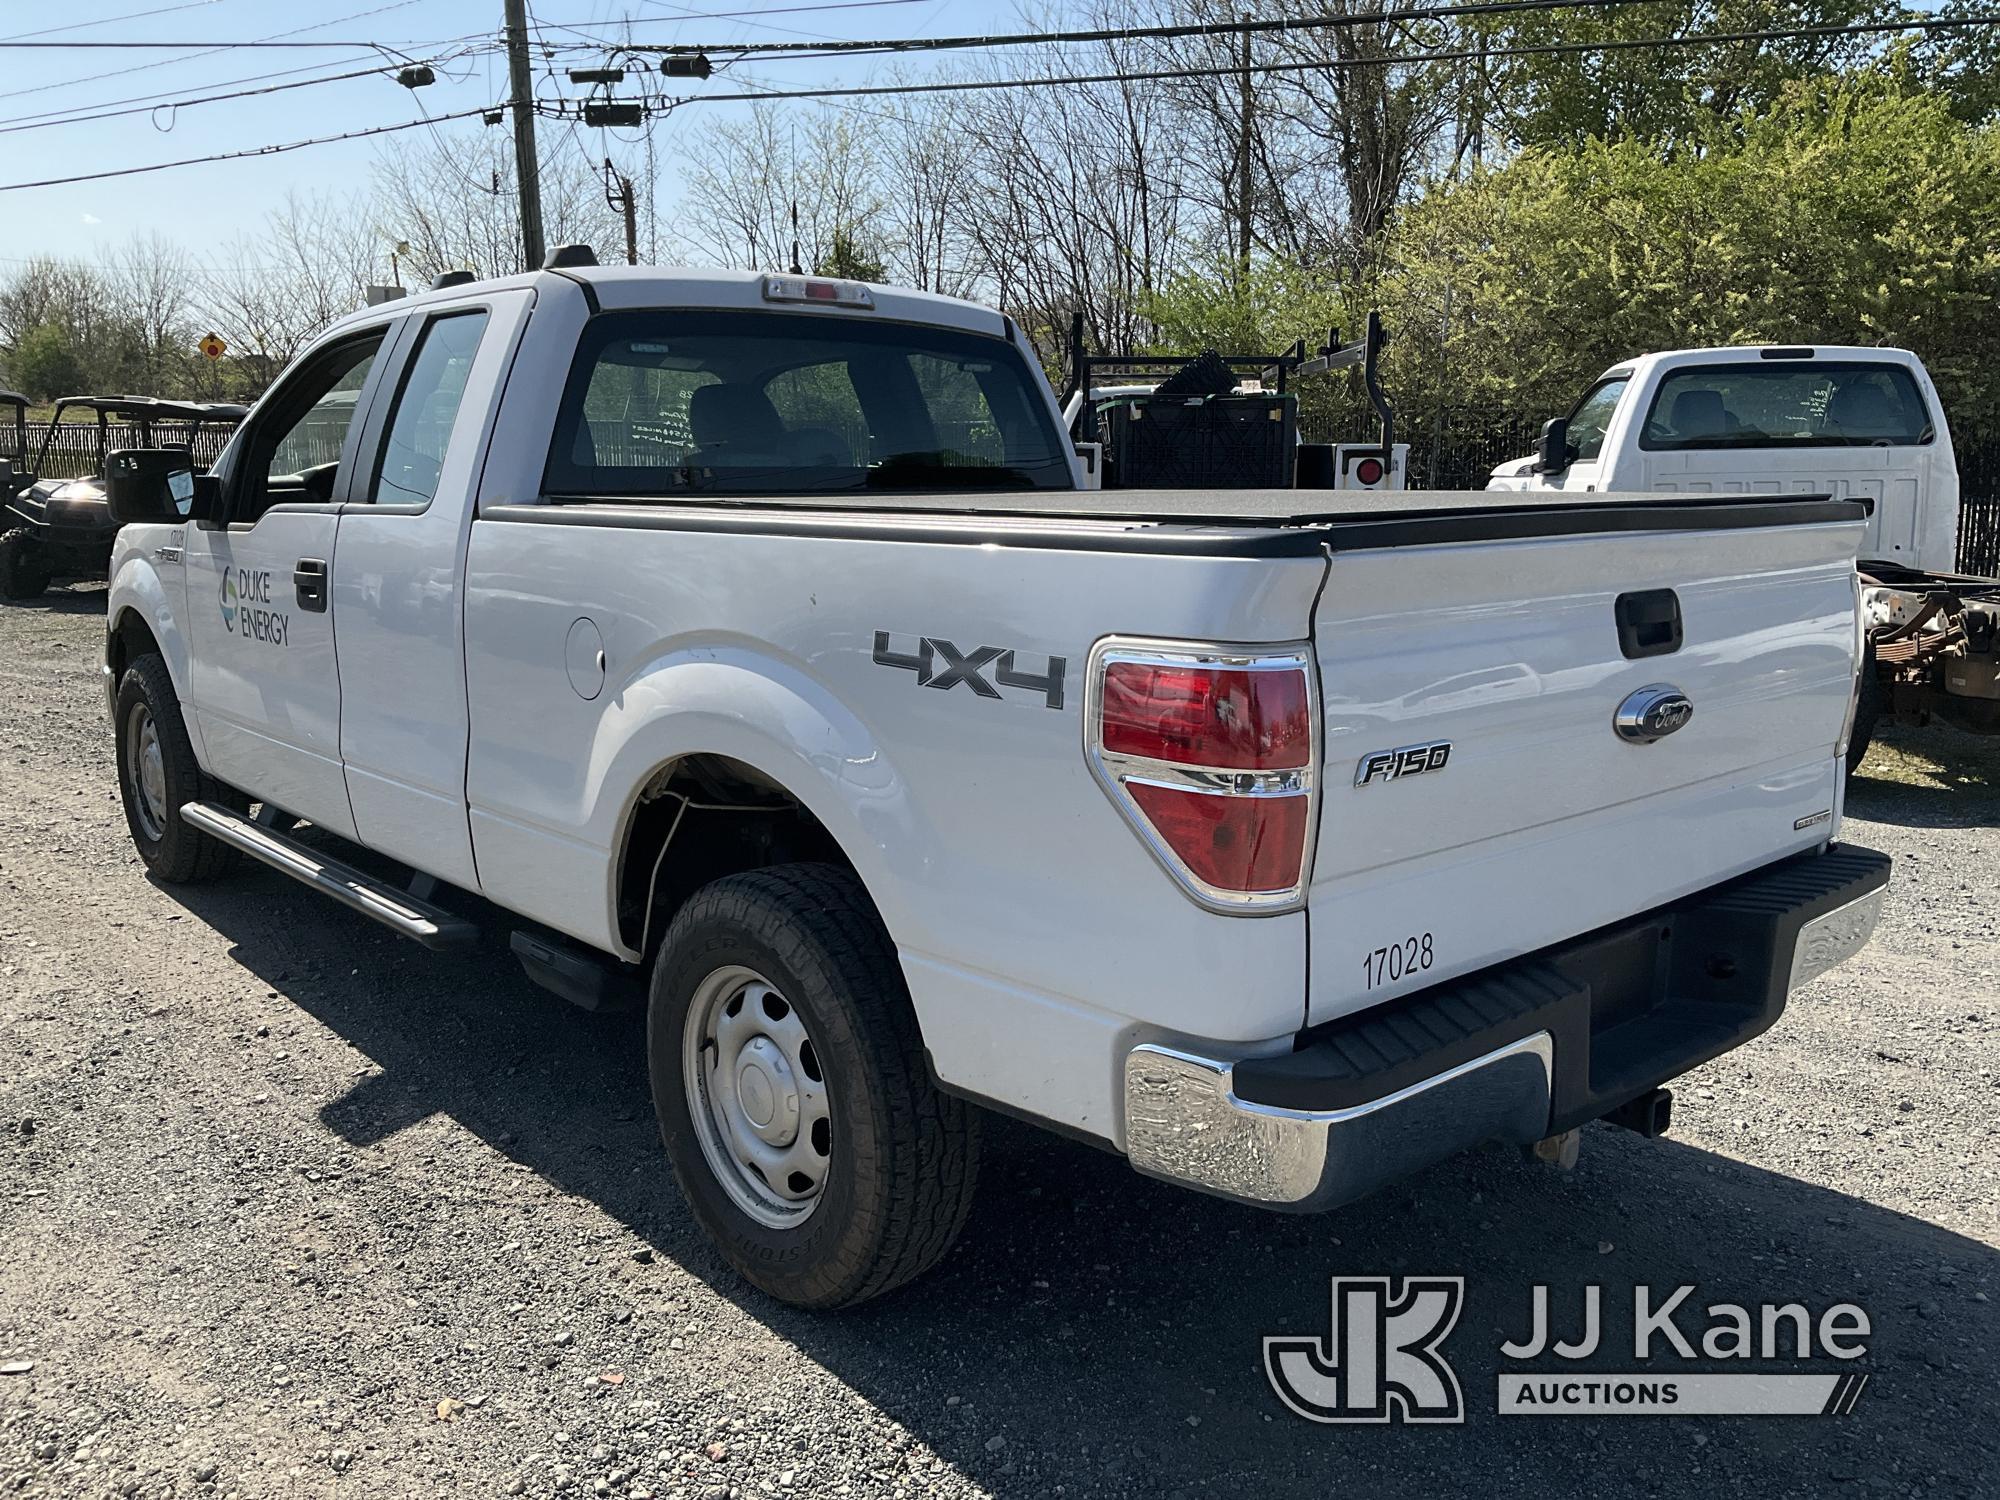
<point>146,771</point>
<point>757,1096</point>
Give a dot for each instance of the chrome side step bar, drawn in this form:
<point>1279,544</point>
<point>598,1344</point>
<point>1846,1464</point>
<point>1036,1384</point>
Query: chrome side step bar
<point>430,925</point>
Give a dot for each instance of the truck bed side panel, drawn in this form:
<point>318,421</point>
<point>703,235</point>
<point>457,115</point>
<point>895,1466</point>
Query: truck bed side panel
<point>1023,905</point>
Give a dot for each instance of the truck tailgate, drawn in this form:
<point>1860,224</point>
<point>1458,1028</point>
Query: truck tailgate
<point>1539,822</point>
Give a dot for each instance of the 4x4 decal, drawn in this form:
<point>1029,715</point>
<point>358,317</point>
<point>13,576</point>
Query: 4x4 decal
<point>940,664</point>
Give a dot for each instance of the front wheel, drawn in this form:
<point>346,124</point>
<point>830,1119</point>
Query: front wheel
<point>24,565</point>
<point>789,1079</point>
<point>158,773</point>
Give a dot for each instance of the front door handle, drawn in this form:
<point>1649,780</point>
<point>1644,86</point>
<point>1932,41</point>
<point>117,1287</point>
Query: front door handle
<point>309,583</point>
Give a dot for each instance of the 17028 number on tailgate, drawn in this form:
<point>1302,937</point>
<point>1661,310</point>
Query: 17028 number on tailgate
<point>1397,961</point>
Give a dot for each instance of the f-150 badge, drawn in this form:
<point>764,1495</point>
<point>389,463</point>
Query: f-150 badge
<point>940,664</point>
<point>1405,760</point>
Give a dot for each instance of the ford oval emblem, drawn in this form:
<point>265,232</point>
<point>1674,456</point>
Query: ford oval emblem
<point>1652,713</point>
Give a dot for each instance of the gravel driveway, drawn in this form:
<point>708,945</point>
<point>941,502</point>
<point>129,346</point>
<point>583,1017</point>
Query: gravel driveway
<point>291,1207</point>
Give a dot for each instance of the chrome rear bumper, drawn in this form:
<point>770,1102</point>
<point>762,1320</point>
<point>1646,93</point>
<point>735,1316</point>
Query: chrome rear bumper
<point>1522,1051</point>
<point>1185,1123</point>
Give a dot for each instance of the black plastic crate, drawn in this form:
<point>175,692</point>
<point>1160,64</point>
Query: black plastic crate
<point>1209,443</point>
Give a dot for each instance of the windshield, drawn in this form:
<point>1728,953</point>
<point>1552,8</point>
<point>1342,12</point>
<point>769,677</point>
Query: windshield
<point>756,403</point>
<point>1787,404</point>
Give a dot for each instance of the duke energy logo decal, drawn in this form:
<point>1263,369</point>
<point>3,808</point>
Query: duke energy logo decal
<point>245,598</point>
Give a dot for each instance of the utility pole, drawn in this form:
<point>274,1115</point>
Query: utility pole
<point>527,168</point>
<point>1243,201</point>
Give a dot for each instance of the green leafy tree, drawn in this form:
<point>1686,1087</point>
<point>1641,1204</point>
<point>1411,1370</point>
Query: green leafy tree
<point>846,259</point>
<point>1847,212</point>
<point>1655,93</point>
<point>45,363</point>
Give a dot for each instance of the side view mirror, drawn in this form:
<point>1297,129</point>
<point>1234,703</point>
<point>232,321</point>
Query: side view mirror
<point>1553,455</point>
<point>158,485</point>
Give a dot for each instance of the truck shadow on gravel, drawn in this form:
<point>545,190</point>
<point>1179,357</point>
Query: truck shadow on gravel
<point>1102,1333</point>
<point>84,599</point>
<point>1933,777</point>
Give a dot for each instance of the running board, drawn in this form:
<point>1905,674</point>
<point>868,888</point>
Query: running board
<point>430,925</point>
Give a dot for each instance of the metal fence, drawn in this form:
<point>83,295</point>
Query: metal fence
<point>1453,452</point>
<point>74,454</point>
<point>1979,510</point>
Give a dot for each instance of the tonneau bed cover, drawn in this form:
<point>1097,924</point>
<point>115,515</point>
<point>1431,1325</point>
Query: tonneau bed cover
<point>1292,519</point>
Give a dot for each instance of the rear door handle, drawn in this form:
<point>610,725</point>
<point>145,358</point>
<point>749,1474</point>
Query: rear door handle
<point>309,583</point>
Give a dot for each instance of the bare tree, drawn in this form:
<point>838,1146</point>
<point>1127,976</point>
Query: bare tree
<point>153,283</point>
<point>452,200</point>
<point>747,177</point>
<point>271,292</point>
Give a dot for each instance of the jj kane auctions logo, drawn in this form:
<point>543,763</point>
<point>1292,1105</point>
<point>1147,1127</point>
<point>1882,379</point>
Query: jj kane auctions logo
<point>246,607</point>
<point>1382,1359</point>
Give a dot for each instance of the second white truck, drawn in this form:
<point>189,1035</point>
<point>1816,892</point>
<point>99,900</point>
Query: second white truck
<point>1860,424</point>
<point>752,644</point>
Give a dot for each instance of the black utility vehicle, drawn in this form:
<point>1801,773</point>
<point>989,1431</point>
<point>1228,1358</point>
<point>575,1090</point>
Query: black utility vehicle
<point>14,475</point>
<point>63,526</point>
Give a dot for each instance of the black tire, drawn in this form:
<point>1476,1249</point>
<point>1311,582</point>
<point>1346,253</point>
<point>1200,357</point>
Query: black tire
<point>24,566</point>
<point>902,1156</point>
<point>1867,710</point>
<point>170,848</point>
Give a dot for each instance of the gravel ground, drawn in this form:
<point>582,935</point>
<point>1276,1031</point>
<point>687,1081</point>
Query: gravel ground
<point>290,1207</point>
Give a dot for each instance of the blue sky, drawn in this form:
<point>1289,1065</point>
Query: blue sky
<point>205,206</point>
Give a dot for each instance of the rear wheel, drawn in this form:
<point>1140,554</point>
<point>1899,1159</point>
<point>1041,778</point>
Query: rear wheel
<point>157,773</point>
<point>24,565</point>
<point>792,1092</point>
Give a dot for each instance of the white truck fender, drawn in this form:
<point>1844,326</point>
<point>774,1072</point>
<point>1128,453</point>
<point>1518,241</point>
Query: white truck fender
<point>768,714</point>
<point>137,590</point>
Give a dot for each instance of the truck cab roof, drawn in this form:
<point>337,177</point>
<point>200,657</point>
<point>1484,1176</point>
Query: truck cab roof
<point>1750,354</point>
<point>707,287</point>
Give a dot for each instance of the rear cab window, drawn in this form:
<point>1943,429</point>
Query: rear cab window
<point>679,404</point>
<point>1784,404</point>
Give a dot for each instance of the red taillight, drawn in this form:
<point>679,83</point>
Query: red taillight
<point>1207,716</point>
<point>1232,843</point>
<point>1369,471</point>
<point>1210,753</point>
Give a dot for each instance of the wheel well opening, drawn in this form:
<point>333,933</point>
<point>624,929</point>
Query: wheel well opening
<point>130,639</point>
<point>699,819</point>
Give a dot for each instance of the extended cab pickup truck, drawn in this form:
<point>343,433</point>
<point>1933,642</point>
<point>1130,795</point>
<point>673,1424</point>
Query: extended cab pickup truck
<point>753,641</point>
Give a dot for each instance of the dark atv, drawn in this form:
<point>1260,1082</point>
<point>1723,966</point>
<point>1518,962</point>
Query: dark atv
<point>14,475</point>
<point>63,526</point>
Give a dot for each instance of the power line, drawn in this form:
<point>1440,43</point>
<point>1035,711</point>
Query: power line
<point>1134,33</point>
<point>1402,59</point>
<point>254,151</point>
<point>137,15</point>
<point>211,51</point>
<point>723,15</point>
<point>166,97</point>
<point>165,46</point>
<point>180,104</point>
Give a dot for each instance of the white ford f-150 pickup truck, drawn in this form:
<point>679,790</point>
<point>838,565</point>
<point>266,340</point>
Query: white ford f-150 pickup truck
<point>755,642</point>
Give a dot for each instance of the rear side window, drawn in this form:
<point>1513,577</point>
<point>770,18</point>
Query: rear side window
<point>665,404</point>
<point>1785,404</point>
<point>427,410</point>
